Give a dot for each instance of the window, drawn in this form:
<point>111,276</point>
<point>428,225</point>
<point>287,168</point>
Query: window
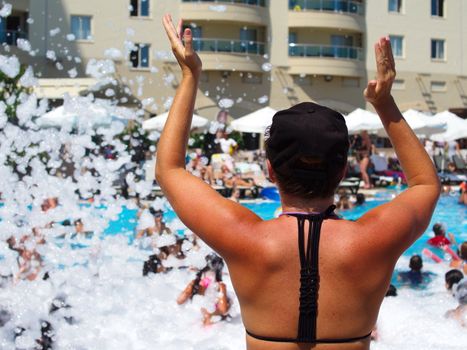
<point>248,40</point>
<point>438,86</point>
<point>139,57</point>
<point>398,84</point>
<point>81,27</point>
<point>437,49</point>
<point>397,44</point>
<point>437,8</point>
<point>395,6</point>
<point>139,8</point>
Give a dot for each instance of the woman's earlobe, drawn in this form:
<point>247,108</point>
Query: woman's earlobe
<point>272,176</point>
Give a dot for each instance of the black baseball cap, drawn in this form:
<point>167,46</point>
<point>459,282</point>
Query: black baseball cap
<point>308,130</point>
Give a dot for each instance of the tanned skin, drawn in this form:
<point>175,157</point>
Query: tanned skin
<point>356,258</point>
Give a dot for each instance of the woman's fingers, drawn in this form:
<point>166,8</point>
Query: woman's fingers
<point>180,29</point>
<point>171,31</point>
<point>370,89</point>
<point>188,37</point>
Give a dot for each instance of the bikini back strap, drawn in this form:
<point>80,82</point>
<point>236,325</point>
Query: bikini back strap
<point>309,273</point>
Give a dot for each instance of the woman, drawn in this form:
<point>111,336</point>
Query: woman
<point>364,149</point>
<point>356,259</point>
<point>205,278</point>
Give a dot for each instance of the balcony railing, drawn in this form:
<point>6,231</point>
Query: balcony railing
<point>327,5</point>
<point>261,3</point>
<point>331,51</point>
<point>225,45</point>
<point>10,37</point>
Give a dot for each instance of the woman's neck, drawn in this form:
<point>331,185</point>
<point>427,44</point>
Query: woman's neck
<point>295,204</point>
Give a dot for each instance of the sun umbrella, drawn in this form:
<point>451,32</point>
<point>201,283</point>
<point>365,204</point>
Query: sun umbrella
<point>255,122</point>
<point>72,116</point>
<point>421,124</point>
<point>157,123</point>
<point>456,127</point>
<point>361,119</point>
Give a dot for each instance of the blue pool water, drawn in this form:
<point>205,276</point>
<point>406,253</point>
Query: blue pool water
<point>448,211</point>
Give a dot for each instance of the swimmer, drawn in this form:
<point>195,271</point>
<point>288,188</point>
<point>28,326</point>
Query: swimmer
<point>154,265</point>
<point>460,313</point>
<point>159,227</point>
<point>461,263</point>
<point>204,279</point>
<point>415,277</point>
<point>452,277</point>
<point>439,239</point>
<point>273,268</point>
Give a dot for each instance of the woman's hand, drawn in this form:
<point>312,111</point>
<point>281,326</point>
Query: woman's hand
<point>378,91</point>
<point>189,61</point>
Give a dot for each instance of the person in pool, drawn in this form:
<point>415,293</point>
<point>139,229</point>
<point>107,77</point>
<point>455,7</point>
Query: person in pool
<point>439,240</point>
<point>461,263</point>
<point>159,227</point>
<point>452,277</point>
<point>460,313</point>
<point>204,278</point>
<point>415,277</point>
<point>283,306</point>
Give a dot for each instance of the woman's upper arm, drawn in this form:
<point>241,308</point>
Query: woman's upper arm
<point>393,227</point>
<point>223,224</point>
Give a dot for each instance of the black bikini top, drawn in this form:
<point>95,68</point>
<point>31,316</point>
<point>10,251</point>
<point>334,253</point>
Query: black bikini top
<point>309,281</point>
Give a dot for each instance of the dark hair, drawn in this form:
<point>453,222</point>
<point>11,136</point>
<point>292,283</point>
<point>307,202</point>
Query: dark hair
<point>360,199</point>
<point>154,211</point>
<point>452,277</point>
<point>213,263</point>
<point>309,188</point>
<point>392,291</point>
<point>438,229</point>
<point>416,263</point>
<point>151,265</point>
<point>463,251</point>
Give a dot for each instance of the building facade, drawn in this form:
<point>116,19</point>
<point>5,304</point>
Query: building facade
<point>255,53</point>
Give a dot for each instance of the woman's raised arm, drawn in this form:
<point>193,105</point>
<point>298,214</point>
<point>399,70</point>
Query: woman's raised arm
<point>218,221</point>
<point>405,218</point>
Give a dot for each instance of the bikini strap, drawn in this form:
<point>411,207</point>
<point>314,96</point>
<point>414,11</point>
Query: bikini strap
<point>309,273</point>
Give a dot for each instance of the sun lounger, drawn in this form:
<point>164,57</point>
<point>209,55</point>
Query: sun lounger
<point>460,163</point>
<point>350,184</point>
<point>452,178</point>
<point>440,163</point>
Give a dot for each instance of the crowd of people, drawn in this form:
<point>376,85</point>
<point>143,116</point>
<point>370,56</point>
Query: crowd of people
<point>166,245</point>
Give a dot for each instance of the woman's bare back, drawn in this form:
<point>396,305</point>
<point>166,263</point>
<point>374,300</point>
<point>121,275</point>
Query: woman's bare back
<point>269,297</point>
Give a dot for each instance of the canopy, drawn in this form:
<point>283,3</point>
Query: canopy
<point>82,115</point>
<point>255,122</point>
<point>157,123</point>
<point>361,119</point>
<point>456,127</point>
<point>421,123</point>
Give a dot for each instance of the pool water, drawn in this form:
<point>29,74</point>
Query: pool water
<point>448,212</point>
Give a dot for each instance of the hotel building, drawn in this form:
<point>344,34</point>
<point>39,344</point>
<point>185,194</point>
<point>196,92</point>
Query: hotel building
<point>255,53</point>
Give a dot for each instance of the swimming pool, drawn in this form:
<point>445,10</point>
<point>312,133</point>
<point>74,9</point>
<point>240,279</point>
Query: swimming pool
<point>117,308</point>
<point>448,211</point>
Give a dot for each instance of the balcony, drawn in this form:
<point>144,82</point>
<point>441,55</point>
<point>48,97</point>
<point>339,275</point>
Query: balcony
<point>340,6</point>
<point>325,14</point>
<point>316,59</point>
<point>261,3</point>
<point>230,46</point>
<point>226,54</point>
<point>331,51</point>
<point>240,11</point>
<point>10,37</point>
